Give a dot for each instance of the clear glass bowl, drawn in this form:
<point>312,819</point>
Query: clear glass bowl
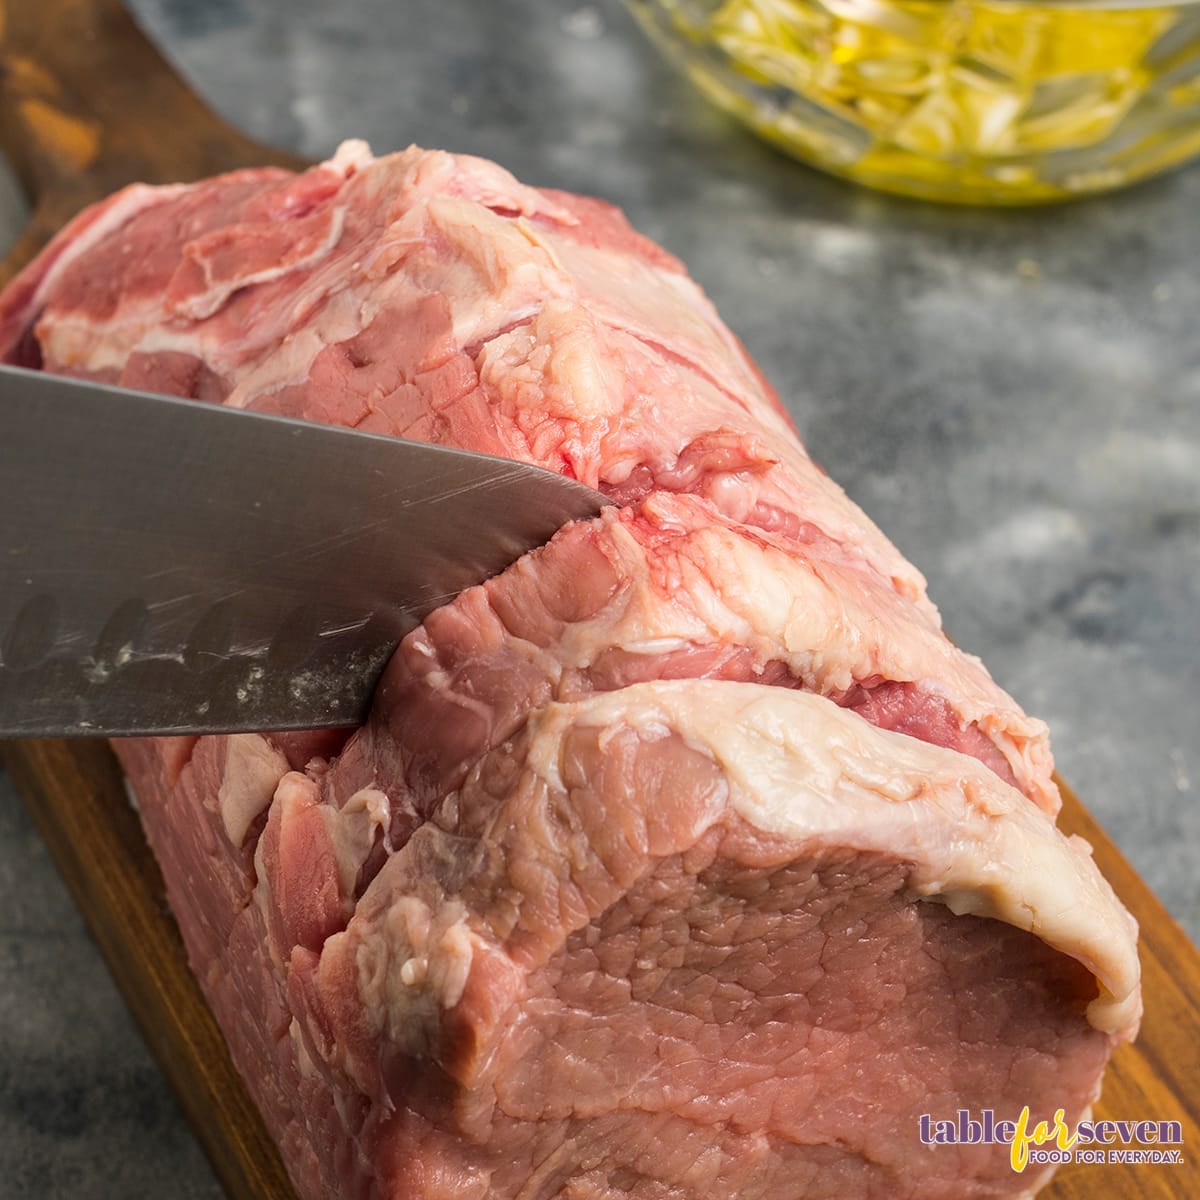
<point>972,101</point>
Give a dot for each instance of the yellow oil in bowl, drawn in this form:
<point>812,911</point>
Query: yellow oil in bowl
<point>974,101</point>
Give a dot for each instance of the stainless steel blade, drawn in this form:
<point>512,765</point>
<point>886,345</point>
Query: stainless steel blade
<point>168,566</point>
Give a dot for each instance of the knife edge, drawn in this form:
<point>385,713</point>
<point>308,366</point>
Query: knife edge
<point>169,566</point>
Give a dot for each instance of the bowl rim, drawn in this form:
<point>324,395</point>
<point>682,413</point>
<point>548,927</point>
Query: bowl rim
<point>1123,6</point>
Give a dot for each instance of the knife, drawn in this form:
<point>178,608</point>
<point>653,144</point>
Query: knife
<point>169,566</point>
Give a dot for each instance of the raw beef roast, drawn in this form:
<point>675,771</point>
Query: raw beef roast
<point>687,857</point>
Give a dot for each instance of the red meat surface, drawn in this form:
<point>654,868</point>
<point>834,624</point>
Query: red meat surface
<point>687,857</point>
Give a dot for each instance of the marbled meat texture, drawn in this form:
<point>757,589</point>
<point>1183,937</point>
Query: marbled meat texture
<point>686,858</point>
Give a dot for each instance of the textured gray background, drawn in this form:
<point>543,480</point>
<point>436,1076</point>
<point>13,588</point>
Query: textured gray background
<point>1012,395</point>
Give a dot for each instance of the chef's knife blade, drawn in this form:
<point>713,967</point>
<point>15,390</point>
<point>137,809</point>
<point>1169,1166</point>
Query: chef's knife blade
<point>168,566</point>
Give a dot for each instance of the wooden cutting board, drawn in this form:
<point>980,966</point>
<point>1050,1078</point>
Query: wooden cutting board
<point>87,105</point>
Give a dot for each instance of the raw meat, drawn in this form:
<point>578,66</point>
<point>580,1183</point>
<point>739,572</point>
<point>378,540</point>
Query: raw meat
<point>664,942</point>
<point>686,857</point>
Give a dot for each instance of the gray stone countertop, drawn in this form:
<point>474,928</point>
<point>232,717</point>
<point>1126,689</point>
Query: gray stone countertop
<point>1013,395</point>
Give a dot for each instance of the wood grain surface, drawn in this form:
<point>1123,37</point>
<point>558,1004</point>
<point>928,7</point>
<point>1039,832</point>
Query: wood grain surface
<point>87,105</point>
